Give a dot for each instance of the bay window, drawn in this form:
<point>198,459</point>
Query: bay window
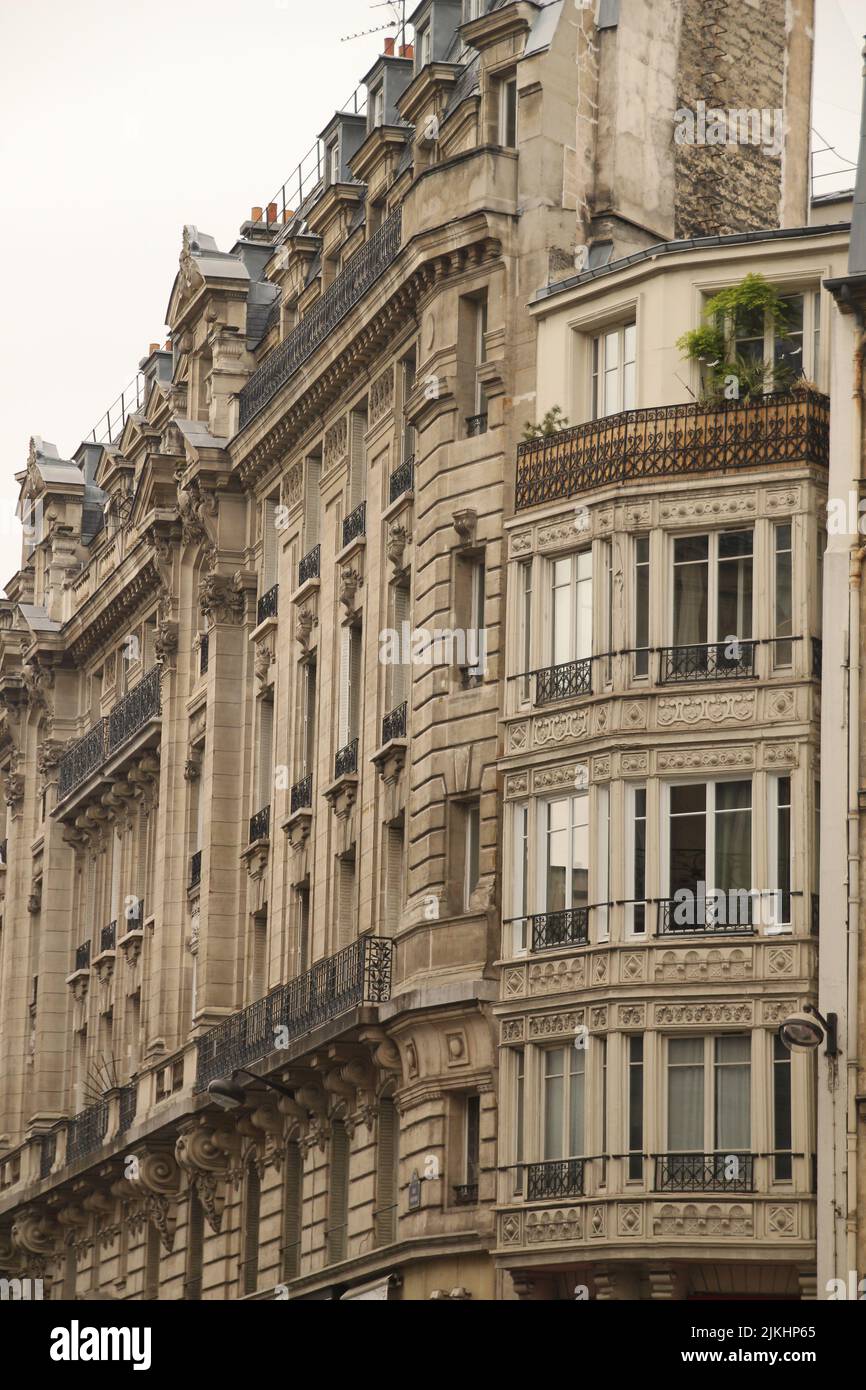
<point>783,612</point>
<point>565,857</point>
<point>712,604</point>
<point>710,848</point>
<point>709,1099</point>
<point>564,1103</point>
<point>571,608</point>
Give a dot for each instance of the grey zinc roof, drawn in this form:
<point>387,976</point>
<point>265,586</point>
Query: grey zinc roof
<point>263,301</point>
<point>37,619</point>
<point>199,436</point>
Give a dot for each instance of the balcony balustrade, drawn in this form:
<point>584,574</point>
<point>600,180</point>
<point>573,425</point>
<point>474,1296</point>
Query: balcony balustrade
<point>716,661</point>
<point>269,604</point>
<point>260,825</point>
<point>128,1106</point>
<point>715,1172</point>
<point>554,929</point>
<point>302,794</point>
<point>83,758</point>
<point>195,870</point>
<point>728,913</point>
<point>310,566</point>
<point>360,974</point>
<point>108,937</point>
<point>466,1194</point>
<point>395,724</point>
<point>346,761</point>
<point>355,524</point>
<point>560,1178</point>
<point>82,956</point>
<point>402,479</point>
<point>776,431</point>
<point>360,273</point>
<point>87,1131</point>
<point>565,682</point>
<point>107,736</point>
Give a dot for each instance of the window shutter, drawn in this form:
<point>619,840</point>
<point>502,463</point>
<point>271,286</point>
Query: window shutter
<point>345,681</point>
<point>355,660</point>
<point>387,1186</point>
<point>266,753</point>
<point>338,1204</point>
<point>269,546</point>
<point>357,461</point>
<point>394,878</point>
<point>292,1208</point>
<point>399,683</point>
<point>311,504</point>
<point>346,902</point>
<point>250,1268</point>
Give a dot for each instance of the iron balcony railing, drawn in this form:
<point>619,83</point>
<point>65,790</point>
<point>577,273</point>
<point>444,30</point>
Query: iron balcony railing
<point>552,929</point>
<point>402,479</point>
<point>204,654</point>
<point>82,956</point>
<point>394,725</point>
<point>310,566</point>
<point>466,1194</point>
<point>476,424</point>
<point>128,1105</point>
<point>137,709</point>
<point>82,759</point>
<point>108,937</point>
<point>355,524</point>
<point>564,682</point>
<point>697,437</point>
<point>561,1178</point>
<point>727,913</point>
<point>360,974</point>
<point>817,658</point>
<point>195,870</point>
<point>87,1131</point>
<point>715,661</point>
<point>302,794</point>
<point>715,1172</point>
<point>360,273</point>
<point>269,604</point>
<point>47,1154</point>
<point>260,825</point>
<point>346,761</point>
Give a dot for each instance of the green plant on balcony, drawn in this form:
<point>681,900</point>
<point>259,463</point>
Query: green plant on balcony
<point>740,311</point>
<point>553,422</point>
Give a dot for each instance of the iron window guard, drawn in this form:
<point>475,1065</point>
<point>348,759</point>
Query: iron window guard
<point>706,922</point>
<point>82,956</point>
<point>269,604</point>
<point>402,479</point>
<point>395,724</point>
<point>355,525</point>
<point>108,937</point>
<point>565,682</point>
<point>553,929</point>
<point>346,761</point>
<point>707,662</point>
<point>557,1178</point>
<point>260,825</point>
<point>195,869</point>
<point>302,794</point>
<point>310,565</point>
<point>707,1172</point>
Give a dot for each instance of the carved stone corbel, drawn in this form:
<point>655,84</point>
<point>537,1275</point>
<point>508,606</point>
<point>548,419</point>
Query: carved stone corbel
<point>202,1150</point>
<point>465,524</point>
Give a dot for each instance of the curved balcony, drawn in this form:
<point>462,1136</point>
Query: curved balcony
<point>566,682</point>
<point>133,713</point>
<point>699,437</point>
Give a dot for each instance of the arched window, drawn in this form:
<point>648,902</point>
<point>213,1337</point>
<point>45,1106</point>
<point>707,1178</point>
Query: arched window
<point>250,1253</point>
<point>338,1193</point>
<point>387,1172</point>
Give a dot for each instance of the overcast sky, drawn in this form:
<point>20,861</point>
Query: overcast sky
<point>120,120</point>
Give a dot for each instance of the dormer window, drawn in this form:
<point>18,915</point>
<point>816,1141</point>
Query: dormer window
<point>472,9</point>
<point>508,112</point>
<point>423,40</point>
<point>334,162</point>
<point>378,105</point>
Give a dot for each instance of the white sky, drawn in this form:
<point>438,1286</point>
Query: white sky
<point>120,120</point>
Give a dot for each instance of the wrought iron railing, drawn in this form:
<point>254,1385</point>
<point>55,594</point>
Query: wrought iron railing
<point>360,273</point>
<point>310,566</point>
<point>47,1154</point>
<point>561,1178</point>
<point>83,758</point>
<point>476,424</point>
<point>355,524</point>
<point>108,937</point>
<point>128,1105</point>
<point>269,604</point>
<point>715,661</point>
<point>195,870</point>
<point>697,437</point>
<point>402,479</point>
<point>716,1172</point>
<point>260,825</point>
<point>361,974</point>
<point>140,706</point>
<point>394,725</point>
<point>82,956</point>
<point>817,658</point>
<point>87,1131</point>
<point>727,913</point>
<point>302,794</point>
<point>346,761</point>
<point>203,653</point>
<point>564,682</point>
<point>466,1194</point>
<point>568,928</point>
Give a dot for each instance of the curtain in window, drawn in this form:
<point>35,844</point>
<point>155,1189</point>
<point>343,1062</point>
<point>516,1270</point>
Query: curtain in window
<point>576,1103</point>
<point>686,1095</point>
<point>733,836</point>
<point>733,1088</point>
<point>691,590</point>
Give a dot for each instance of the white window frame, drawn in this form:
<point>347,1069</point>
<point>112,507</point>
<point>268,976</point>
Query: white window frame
<point>334,162</point>
<point>541,823</point>
<point>575,558</point>
<point>505,85</point>
<point>810,360</point>
<point>632,791</point>
<point>712,583</point>
<point>599,351</point>
<point>571,1057</point>
<point>709,1064</point>
<point>521,877</point>
<point>710,821</point>
<point>601,889</point>
<point>773,808</point>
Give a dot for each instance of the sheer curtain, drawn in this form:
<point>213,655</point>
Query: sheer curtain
<point>685,1095</point>
<point>733,866</point>
<point>733,1090</point>
<point>691,590</point>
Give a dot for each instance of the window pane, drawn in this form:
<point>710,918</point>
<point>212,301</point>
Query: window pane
<point>557,855</point>
<point>688,837</point>
<point>733,866</point>
<point>735,586</point>
<point>635,1107</point>
<point>733,1092</point>
<point>691,590</point>
<point>783,651</point>
<point>580,852</point>
<point>576,1099</point>
<point>554,1096</point>
<point>782,1163</point>
<point>641,605</point>
<point>685,1095</point>
<point>639,866</point>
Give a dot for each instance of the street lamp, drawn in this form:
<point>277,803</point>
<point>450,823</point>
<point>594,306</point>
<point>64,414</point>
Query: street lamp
<point>809,1029</point>
<point>227,1092</point>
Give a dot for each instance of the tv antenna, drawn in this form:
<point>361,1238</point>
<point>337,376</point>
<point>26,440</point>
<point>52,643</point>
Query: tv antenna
<point>398,9</point>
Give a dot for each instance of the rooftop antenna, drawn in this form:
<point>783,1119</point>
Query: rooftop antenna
<point>398,9</point>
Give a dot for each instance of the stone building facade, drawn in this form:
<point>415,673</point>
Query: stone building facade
<point>263,698</point>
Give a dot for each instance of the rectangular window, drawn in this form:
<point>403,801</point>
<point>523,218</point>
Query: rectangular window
<point>346,929</point>
<point>520,896</point>
<point>613,371</point>
<point>508,113</point>
<point>424,48</point>
<point>685,1095</point>
<point>783,1163</point>
<point>710,831</point>
<point>480,354</point>
<point>269,546</point>
<point>565,861</point>
<point>564,1102</point>
<point>607,553</point>
<point>266,754</point>
<point>641,605</point>
<point>638,861</point>
<point>312,500</point>
<point>603,887</point>
<point>714,1069</point>
<point>782,839</point>
<point>473,1140</point>
<point>712,589</point>
<point>334,162</point>
<point>519,1116</point>
<point>408,369</point>
<point>308,732</point>
<point>635,1108</point>
<point>732,1093</point>
<point>571,608</point>
<point>783,627</point>
<point>471,851</point>
<point>378,107</point>
<point>525,630</point>
<point>350,685</point>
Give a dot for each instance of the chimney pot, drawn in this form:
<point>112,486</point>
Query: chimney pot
<point>389,47</point>
<point>256,215</point>
<point>288,214</point>
<point>154,347</point>
<point>407,50</point>
<point>272,212</point>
